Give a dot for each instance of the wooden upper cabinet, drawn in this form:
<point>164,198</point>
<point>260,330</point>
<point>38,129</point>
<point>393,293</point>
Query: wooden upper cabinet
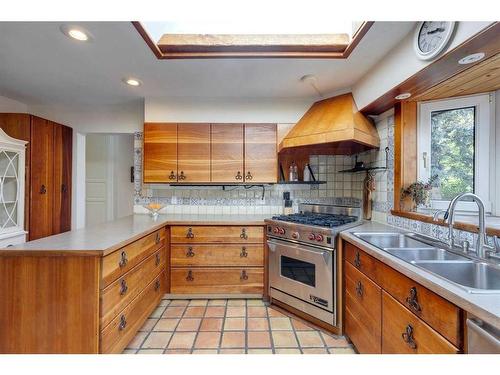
<point>160,152</point>
<point>193,153</point>
<point>42,178</point>
<point>261,158</point>
<point>63,151</point>
<point>227,153</point>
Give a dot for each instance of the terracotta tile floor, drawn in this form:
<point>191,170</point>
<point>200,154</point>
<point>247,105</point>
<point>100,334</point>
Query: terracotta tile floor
<point>234,326</point>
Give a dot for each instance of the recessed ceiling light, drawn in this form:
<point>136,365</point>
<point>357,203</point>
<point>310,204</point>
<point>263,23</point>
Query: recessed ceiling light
<point>469,59</point>
<point>76,33</point>
<point>402,96</point>
<point>132,81</point>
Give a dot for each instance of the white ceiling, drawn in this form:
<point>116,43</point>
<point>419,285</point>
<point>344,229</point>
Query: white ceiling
<point>41,66</point>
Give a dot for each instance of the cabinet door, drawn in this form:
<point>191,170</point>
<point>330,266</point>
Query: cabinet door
<point>227,152</point>
<point>261,158</point>
<point>160,152</point>
<point>42,182</point>
<point>63,156</point>
<point>193,152</point>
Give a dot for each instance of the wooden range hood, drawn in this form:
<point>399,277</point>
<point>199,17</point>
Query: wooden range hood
<point>332,126</point>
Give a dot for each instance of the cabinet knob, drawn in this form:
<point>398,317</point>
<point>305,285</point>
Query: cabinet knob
<point>190,233</point>
<point>123,287</point>
<point>182,176</point>
<point>238,176</point>
<point>244,252</point>
<point>244,234</point>
<point>248,176</point>
<point>357,260</point>
<point>189,276</point>
<point>123,323</point>
<point>123,259</point>
<point>64,188</point>
<point>359,289</point>
<point>43,189</point>
<point>158,258</point>
<point>408,337</point>
<point>243,275</point>
<point>190,253</point>
<point>157,238</point>
<point>412,300</point>
<point>157,285</point>
<point>172,176</point>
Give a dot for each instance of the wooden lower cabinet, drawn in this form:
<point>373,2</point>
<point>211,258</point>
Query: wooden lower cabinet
<point>387,312</point>
<point>217,259</point>
<point>404,333</point>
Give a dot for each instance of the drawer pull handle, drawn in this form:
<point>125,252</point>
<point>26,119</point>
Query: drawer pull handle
<point>357,260</point>
<point>190,252</point>
<point>412,300</point>
<point>158,259</point>
<point>64,188</point>
<point>248,176</point>
<point>123,259</point>
<point>244,234</point>
<point>189,276</point>
<point>244,252</point>
<point>172,176</point>
<point>43,189</point>
<point>157,285</point>
<point>190,233</point>
<point>359,289</point>
<point>243,275</point>
<point>182,176</point>
<point>123,287</point>
<point>123,323</point>
<point>408,337</point>
<point>157,238</point>
<point>238,176</point>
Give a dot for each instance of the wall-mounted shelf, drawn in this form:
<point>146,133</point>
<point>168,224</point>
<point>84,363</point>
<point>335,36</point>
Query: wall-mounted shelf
<point>359,166</point>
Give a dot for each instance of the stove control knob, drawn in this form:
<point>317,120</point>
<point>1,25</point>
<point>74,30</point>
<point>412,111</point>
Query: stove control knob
<point>312,237</point>
<point>281,230</point>
<point>319,238</point>
<point>295,235</point>
<point>276,230</point>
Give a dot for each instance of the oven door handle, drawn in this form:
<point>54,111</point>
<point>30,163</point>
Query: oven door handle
<point>324,253</point>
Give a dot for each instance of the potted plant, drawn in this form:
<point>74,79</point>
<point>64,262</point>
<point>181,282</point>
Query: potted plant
<point>419,192</point>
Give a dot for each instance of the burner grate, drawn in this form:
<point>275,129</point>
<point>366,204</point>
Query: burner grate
<point>315,219</point>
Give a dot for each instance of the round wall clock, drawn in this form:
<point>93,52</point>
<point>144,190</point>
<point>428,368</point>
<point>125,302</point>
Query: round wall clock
<point>432,37</point>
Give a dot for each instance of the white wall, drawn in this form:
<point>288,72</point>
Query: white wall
<point>10,105</point>
<point>401,63</point>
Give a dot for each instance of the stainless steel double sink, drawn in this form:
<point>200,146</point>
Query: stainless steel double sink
<point>473,275</point>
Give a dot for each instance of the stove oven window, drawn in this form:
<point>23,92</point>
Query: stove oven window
<point>298,270</point>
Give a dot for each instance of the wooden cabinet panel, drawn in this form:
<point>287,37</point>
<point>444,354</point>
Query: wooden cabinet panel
<point>119,294</point>
<point>217,255</point>
<point>227,153</point>
<point>42,178</point>
<point>216,234</point>
<point>160,152</point>
<point>365,263</point>
<point>193,150</point>
<point>441,314</point>
<point>63,152</point>
<point>122,329</point>
<point>261,158</point>
<point>363,307</point>
<point>217,280</point>
<point>405,333</point>
<point>123,260</point>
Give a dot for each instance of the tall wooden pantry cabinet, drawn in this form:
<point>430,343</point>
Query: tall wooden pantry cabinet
<point>48,172</point>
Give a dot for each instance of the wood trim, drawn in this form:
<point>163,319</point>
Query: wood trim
<point>440,70</point>
<point>457,225</point>
<point>276,51</point>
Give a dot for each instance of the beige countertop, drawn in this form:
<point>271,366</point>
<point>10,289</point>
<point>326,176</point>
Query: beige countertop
<point>484,306</point>
<point>107,237</point>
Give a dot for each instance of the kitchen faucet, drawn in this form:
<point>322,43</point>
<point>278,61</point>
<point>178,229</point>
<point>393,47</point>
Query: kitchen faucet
<point>449,216</point>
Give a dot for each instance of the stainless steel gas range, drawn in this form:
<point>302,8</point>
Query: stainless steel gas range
<point>303,258</point>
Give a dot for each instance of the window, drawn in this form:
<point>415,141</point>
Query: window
<point>454,138</point>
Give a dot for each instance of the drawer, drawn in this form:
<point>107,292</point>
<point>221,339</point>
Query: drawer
<point>123,260</point>
<point>217,255</point>
<point>405,333</point>
<point>119,294</point>
<point>363,305</point>
<point>217,234</point>
<point>122,329</point>
<point>440,314</point>
<point>217,280</point>
<point>365,263</point>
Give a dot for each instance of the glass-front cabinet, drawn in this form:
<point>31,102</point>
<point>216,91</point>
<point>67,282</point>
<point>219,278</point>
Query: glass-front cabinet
<point>12,163</point>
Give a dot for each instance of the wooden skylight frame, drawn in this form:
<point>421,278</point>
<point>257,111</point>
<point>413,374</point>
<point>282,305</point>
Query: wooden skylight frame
<point>196,46</point>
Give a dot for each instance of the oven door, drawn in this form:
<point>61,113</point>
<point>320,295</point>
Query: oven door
<point>302,271</point>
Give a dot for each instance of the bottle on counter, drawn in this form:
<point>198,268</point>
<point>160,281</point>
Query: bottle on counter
<point>295,172</point>
<point>292,172</point>
<point>307,173</point>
